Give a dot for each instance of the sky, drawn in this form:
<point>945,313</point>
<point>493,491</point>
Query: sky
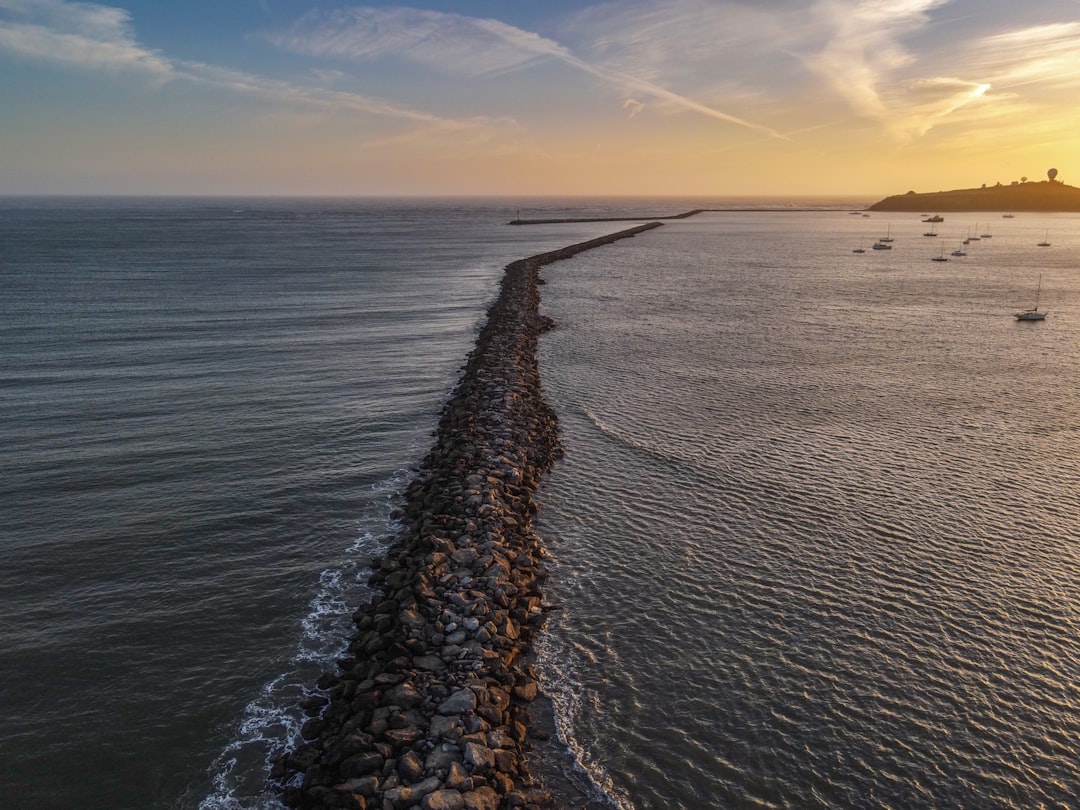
<point>630,97</point>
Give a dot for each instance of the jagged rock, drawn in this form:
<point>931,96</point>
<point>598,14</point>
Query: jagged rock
<point>441,757</point>
<point>364,786</point>
<point>457,777</point>
<point>444,800</point>
<point>483,798</point>
<point>404,695</point>
<point>361,764</point>
<point>409,795</point>
<point>411,767</point>
<point>479,757</point>
<point>462,701</point>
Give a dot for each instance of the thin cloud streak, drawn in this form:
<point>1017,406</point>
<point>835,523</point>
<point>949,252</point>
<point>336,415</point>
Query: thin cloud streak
<point>459,45</point>
<point>1044,53</point>
<point>452,43</point>
<point>91,37</point>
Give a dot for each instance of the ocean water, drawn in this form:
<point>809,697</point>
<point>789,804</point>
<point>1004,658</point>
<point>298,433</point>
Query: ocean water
<point>208,409</point>
<point>815,537</point>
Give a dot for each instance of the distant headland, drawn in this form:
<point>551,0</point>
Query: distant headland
<point>1046,195</point>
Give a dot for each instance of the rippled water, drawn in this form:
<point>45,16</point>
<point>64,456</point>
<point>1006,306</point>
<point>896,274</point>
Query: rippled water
<point>207,411</point>
<point>815,535</point>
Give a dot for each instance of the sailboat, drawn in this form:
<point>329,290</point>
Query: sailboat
<point>1046,240</point>
<point>1032,314</point>
<point>859,249</point>
<point>887,237</point>
<point>959,251</point>
<point>931,232</point>
<point>975,238</point>
<point>941,258</point>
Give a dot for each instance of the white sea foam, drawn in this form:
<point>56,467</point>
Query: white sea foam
<point>561,679</point>
<point>271,722</point>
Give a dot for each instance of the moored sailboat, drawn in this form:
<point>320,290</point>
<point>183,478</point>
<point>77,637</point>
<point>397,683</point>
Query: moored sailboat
<point>1032,314</point>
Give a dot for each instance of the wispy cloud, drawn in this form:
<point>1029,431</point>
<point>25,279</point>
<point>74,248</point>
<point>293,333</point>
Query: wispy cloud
<point>866,62</point>
<point>863,49</point>
<point>689,43</point>
<point>451,43</point>
<point>83,35</point>
<point>1044,53</point>
<point>90,37</point>
<point>469,46</point>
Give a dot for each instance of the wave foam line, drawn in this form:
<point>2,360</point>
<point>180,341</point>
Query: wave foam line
<point>271,723</point>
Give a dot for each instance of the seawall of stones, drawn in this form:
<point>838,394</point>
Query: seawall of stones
<point>429,708</point>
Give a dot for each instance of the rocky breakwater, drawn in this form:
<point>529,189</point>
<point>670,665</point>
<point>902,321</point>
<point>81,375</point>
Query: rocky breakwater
<point>429,708</point>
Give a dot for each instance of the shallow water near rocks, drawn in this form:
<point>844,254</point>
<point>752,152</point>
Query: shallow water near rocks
<point>814,535</point>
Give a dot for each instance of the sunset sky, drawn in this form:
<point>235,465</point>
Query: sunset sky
<point>643,97</point>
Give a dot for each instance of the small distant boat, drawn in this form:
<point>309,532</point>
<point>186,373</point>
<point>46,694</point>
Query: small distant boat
<point>859,249</point>
<point>941,258</point>
<point>887,237</point>
<point>974,238</point>
<point>930,232</point>
<point>959,251</point>
<point>935,218</point>
<point>1032,314</point>
<point>987,235</point>
<point>881,246</point>
<point>1046,240</point>
<point>1006,216</point>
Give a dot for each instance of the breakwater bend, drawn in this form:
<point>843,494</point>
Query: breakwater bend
<point>429,707</point>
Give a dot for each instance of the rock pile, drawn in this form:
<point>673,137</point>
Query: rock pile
<point>429,708</point>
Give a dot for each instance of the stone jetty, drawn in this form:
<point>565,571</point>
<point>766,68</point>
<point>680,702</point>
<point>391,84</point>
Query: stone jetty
<point>429,708</point>
<point>683,215</point>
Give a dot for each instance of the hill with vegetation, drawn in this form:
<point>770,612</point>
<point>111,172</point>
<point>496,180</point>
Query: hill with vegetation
<point>1047,195</point>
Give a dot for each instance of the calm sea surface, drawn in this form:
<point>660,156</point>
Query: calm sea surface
<point>814,538</point>
<point>816,535</point>
<point>207,411</point>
